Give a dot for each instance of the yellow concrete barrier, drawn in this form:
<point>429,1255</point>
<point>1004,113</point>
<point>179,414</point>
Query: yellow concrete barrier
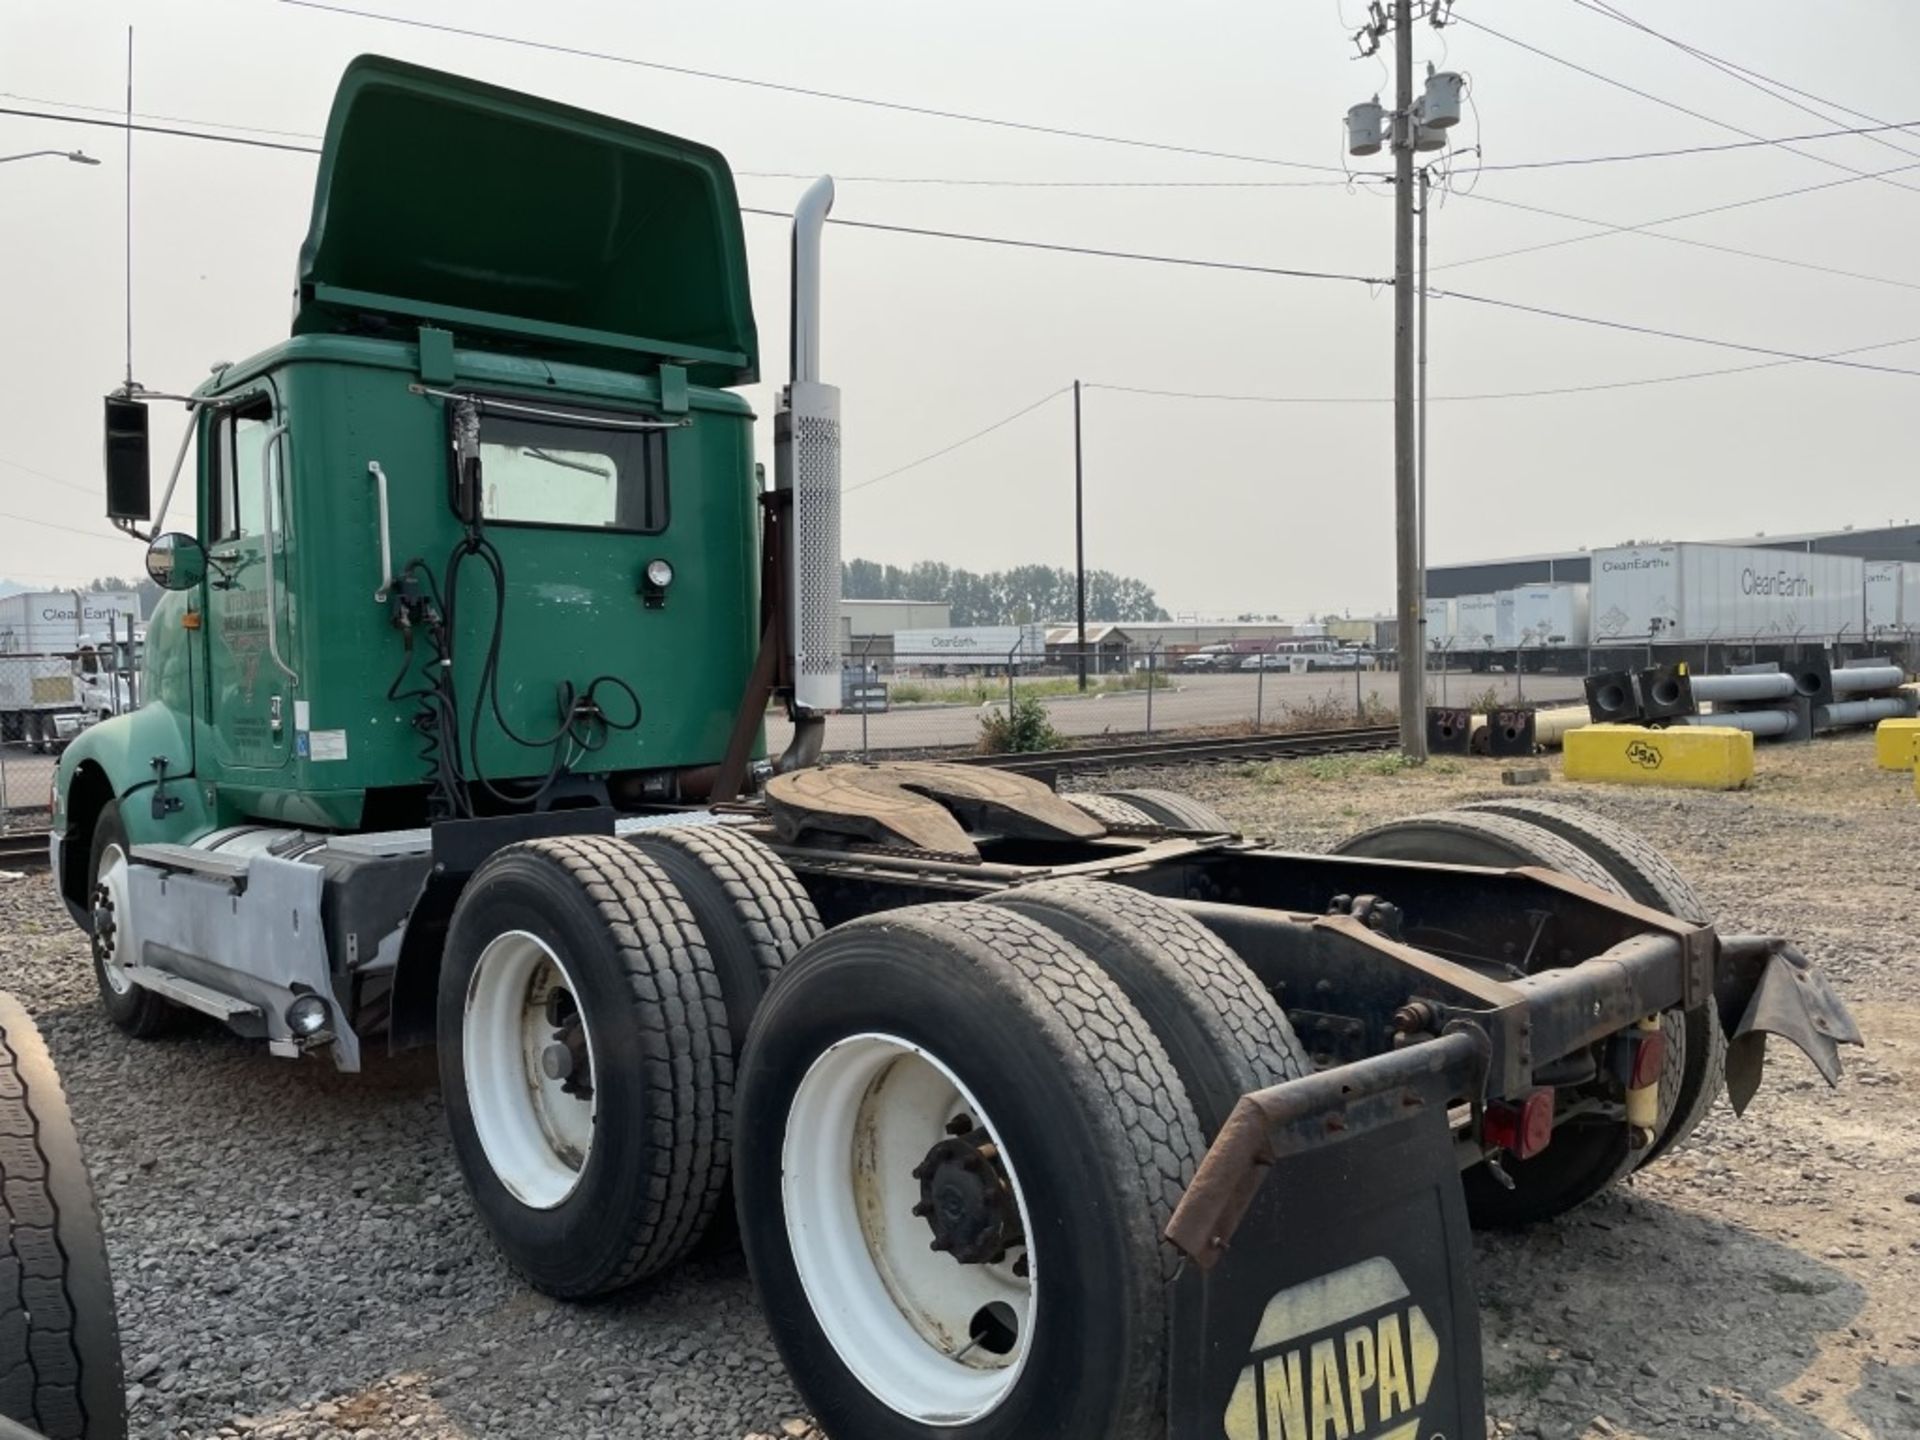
<point>1703,757</point>
<point>1896,744</point>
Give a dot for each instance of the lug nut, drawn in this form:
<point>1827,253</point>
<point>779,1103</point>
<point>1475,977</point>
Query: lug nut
<point>923,1209</point>
<point>959,1125</point>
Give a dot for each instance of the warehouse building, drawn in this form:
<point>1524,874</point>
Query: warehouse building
<point>1484,577</point>
<point>867,627</point>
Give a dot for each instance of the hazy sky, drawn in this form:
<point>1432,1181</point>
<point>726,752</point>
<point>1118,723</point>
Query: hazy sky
<point>1221,506</point>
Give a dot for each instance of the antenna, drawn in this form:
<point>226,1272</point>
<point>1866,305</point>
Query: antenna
<point>129,208</point>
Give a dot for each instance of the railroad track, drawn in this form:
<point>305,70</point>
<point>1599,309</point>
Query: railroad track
<point>1281,746</point>
<point>23,847</point>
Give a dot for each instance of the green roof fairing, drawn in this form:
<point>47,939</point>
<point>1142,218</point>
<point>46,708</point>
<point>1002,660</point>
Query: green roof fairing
<point>524,225</point>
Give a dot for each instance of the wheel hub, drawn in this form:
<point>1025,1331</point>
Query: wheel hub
<point>966,1198</point>
<point>104,925</point>
<point>565,1058</point>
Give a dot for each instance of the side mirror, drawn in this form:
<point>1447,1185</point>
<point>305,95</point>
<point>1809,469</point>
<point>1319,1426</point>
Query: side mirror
<point>176,561</point>
<point>129,479</point>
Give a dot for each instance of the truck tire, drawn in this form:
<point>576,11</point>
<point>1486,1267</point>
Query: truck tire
<point>1107,810</point>
<point>1696,1070</point>
<point>751,909</point>
<point>59,1338</point>
<point>1584,1158</point>
<point>139,1012</point>
<point>964,1059</point>
<point>1224,1033</point>
<point>577,953</point>
<point>1174,810</point>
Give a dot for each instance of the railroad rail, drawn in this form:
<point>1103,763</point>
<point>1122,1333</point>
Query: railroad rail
<point>1283,745</point>
<point>23,847</point>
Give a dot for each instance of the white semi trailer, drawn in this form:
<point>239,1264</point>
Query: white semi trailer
<point>58,670</point>
<point>1704,594</point>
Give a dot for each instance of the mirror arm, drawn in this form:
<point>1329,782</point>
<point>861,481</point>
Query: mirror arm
<point>173,478</point>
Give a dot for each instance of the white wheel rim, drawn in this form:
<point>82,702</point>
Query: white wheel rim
<point>536,1134</point>
<point>901,1316</point>
<point>113,880</point>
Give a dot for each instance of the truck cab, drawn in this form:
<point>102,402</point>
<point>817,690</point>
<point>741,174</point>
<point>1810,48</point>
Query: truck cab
<point>480,535</point>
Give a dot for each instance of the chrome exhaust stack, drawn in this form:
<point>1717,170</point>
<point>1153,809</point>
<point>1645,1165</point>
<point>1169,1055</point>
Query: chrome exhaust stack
<point>806,430</point>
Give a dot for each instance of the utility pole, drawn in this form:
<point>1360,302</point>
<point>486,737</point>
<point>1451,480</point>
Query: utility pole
<point>1413,717</point>
<point>1079,538</point>
<point>1421,596</point>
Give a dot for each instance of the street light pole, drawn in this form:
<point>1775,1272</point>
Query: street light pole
<point>79,157</point>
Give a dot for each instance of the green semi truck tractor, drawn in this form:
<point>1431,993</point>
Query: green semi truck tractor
<point>1079,1117</point>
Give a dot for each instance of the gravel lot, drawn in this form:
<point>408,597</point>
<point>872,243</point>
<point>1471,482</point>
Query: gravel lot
<point>295,1257</point>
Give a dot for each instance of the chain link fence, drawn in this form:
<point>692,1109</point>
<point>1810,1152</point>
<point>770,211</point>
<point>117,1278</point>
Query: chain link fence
<point>896,704</point>
<point>45,702</point>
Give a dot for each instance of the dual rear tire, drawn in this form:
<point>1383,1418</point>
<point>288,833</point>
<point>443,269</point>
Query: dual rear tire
<point>594,996</point>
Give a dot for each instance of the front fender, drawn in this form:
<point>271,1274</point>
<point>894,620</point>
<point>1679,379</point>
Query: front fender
<point>119,759</point>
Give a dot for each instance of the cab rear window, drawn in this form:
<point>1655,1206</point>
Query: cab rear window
<point>576,476</point>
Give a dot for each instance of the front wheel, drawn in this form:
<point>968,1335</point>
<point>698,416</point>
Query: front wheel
<point>139,1012</point>
<point>968,1142</point>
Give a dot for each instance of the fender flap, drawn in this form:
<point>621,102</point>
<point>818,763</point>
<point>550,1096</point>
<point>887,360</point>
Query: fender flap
<point>1767,987</point>
<point>1340,1299</point>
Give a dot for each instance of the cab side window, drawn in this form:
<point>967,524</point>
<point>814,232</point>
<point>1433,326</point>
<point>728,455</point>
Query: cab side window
<point>238,439</point>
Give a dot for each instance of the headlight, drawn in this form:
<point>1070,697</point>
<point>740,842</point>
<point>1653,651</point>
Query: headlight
<point>659,574</point>
<point>307,1016</point>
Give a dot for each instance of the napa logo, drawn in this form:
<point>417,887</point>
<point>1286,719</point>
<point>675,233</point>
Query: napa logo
<point>1347,1356</point>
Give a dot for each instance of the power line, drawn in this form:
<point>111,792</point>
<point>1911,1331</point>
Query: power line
<point>1193,262</point>
<point>1753,79</point>
<point>971,237</point>
<point>1633,329</point>
<point>1495,395</point>
<point>1147,257</point>
<point>968,440</point>
<point>1644,95</point>
<point>57,480</point>
<point>52,525</point>
<point>1878,127</point>
<point>160,130</point>
<point>1675,219</point>
<point>1602,227</point>
<point>120,113</point>
<point>781,87</point>
<point>1645,233</point>
<point>1761,144</point>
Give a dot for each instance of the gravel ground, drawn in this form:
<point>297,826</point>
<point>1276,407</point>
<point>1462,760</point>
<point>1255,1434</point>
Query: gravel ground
<point>295,1257</point>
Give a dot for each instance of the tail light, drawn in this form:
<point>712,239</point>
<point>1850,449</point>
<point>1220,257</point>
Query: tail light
<point>1522,1128</point>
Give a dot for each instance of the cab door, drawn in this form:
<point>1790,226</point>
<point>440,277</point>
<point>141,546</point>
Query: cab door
<point>249,692</point>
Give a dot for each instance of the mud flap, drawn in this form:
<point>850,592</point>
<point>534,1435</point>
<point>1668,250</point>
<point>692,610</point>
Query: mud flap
<point>1783,995</point>
<point>1344,1305</point>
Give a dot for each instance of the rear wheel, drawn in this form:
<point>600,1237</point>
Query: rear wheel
<point>1696,1070</point>
<point>1223,1031</point>
<point>585,1063</point>
<point>981,1140</point>
<point>1586,1156</point>
<point>1174,810</point>
<point>138,1011</point>
<point>751,908</point>
<point>59,1339</point>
